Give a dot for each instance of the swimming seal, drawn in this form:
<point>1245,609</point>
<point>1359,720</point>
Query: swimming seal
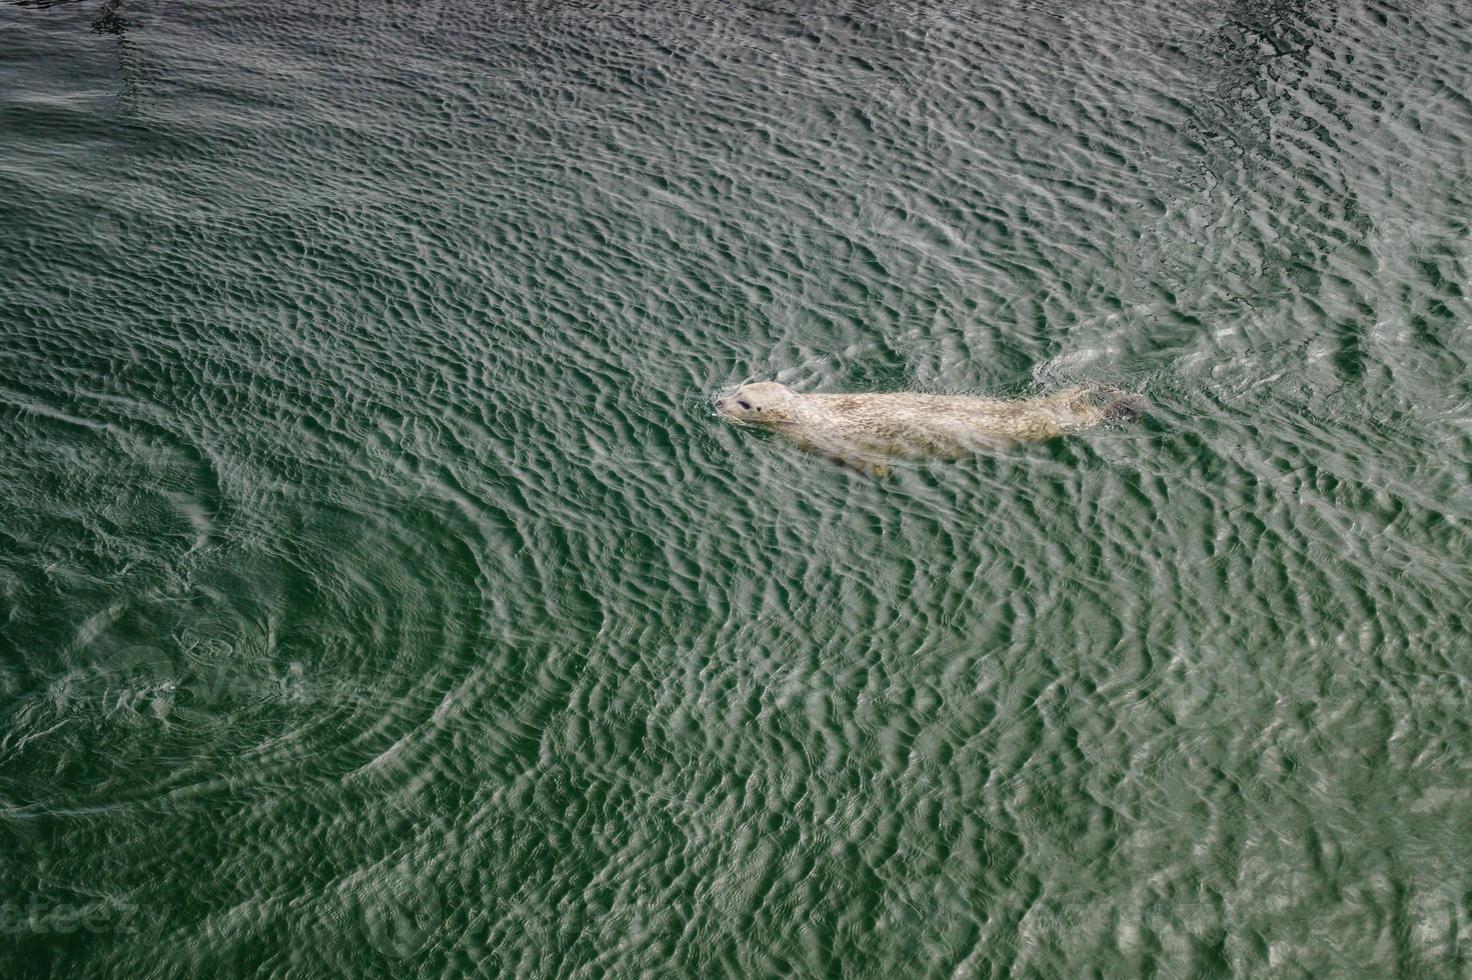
<point>865,431</point>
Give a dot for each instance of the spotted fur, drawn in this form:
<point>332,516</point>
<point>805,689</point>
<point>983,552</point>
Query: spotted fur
<point>866,431</point>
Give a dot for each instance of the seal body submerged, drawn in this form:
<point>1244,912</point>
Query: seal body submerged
<point>867,430</point>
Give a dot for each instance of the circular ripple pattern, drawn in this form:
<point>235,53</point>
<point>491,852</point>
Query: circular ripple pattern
<point>380,597</point>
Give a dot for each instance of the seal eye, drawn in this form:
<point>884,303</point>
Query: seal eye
<point>743,403</point>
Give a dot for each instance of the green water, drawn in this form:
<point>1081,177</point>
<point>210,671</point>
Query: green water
<point>380,597</point>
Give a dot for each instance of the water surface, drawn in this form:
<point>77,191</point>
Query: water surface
<point>379,596</point>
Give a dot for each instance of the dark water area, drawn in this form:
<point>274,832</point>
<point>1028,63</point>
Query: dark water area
<point>379,595</point>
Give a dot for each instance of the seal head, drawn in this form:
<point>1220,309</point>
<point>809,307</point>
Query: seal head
<point>763,403</point>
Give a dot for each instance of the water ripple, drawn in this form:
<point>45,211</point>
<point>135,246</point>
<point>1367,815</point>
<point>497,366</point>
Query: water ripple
<point>381,596</point>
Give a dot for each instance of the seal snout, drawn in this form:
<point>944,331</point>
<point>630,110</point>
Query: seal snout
<point>762,403</point>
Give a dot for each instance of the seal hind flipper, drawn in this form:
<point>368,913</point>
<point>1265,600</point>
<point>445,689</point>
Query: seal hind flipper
<point>1127,406</point>
<point>1098,402</point>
